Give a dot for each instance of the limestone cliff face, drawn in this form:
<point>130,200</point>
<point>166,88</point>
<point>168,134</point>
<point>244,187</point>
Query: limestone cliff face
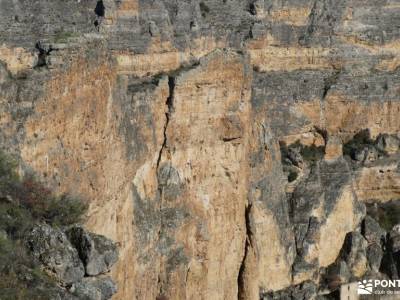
<point>229,147</point>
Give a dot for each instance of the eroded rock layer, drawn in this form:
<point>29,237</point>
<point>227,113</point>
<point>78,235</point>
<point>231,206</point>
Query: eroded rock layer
<point>232,148</point>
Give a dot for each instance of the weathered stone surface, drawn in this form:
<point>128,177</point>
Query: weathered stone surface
<point>67,261</point>
<point>394,238</point>
<point>388,143</point>
<point>94,288</point>
<point>374,257</point>
<point>85,291</point>
<point>378,182</point>
<point>98,253</point>
<point>53,250</point>
<point>372,231</point>
<point>171,115</point>
<point>338,273</point>
<point>354,253</point>
<point>306,290</point>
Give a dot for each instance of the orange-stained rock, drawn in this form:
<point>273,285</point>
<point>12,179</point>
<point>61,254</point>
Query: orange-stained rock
<point>215,141</point>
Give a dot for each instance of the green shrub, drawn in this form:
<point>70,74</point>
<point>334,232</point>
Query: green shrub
<point>310,154</point>
<point>14,220</point>
<point>65,210</point>
<point>8,176</point>
<point>24,200</point>
<point>43,205</point>
<point>19,277</point>
<point>359,141</point>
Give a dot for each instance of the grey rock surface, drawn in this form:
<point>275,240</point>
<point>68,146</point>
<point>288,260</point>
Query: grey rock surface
<point>345,88</point>
<point>354,250</point>
<point>307,290</point>
<point>338,273</point>
<point>372,231</point>
<point>105,285</point>
<point>52,248</point>
<point>374,257</point>
<point>394,238</point>
<point>98,253</point>
<point>387,143</point>
<point>94,288</point>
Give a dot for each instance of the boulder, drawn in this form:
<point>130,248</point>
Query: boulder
<point>97,252</point>
<point>388,143</point>
<point>372,231</point>
<point>337,274</point>
<point>85,291</point>
<point>52,249</point>
<point>302,270</point>
<point>374,257</point>
<point>354,253</point>
<point>94,288</point>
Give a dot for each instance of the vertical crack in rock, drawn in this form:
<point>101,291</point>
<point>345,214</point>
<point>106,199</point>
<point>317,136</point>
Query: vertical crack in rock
<point>248,244</point>
<point>169,103</point>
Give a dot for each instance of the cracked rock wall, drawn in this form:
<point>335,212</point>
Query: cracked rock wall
<point>217,141</point>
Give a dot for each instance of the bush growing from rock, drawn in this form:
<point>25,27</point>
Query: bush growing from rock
<point>29,197</point>
<point>55,210</point>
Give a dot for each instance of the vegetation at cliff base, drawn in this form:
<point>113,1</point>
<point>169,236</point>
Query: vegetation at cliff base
<point>25,201</point>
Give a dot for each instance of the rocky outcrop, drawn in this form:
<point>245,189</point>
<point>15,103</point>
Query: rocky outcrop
<point>73,258</point>
<point>93,288</point>
<point>52,248</point>
<point>97,252</point>
<point>233,149</point>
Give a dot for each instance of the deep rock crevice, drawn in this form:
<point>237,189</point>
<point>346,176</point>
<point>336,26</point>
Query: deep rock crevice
<point>241,281</point>
<point>170,107</point>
